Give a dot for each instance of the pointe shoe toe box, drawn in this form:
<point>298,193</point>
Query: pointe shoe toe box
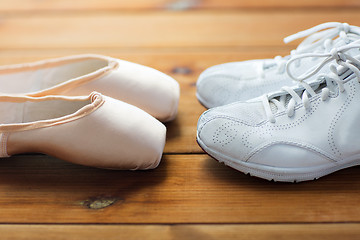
<point>115,136</point>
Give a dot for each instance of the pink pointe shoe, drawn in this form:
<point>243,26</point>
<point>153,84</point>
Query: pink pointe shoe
<point>141,86</point>
<point>96,131</point>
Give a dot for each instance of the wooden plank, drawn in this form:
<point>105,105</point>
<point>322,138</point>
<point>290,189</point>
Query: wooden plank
<point>183,65</point>
<point>169,60</point>
<point>68,5</point>
<point>186,231</point>
<point>184,189</point>
<point>152,29</point>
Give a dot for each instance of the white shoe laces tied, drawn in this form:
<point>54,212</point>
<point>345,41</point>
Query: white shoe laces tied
<point>322,34</point>
<point>337,54</point>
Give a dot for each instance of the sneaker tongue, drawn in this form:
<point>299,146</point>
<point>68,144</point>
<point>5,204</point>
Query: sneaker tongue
<point>269,65</point>
<point>273,64</point>
<point>317,86</point>
<point>338,42</point>
<point>351,37</point>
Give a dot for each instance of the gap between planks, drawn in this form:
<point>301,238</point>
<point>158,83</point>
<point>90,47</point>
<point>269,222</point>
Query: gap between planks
<point>183,189</point>
<point>180,232</point>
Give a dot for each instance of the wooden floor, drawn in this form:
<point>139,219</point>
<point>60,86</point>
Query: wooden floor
<point>189,196</point>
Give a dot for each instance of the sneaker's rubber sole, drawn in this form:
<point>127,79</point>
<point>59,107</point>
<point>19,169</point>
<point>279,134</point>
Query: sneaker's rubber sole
<point>279,174</point>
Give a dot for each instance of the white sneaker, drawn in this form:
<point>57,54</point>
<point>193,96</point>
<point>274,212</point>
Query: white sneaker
<point>296,134</point>
<point>240,81</point>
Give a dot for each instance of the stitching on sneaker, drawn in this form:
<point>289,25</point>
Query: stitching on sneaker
<point>337,117</point>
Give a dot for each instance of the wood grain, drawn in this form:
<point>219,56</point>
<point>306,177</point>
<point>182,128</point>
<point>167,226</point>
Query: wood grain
<point>106,5</point>
<point>190,195</point>
<point>197,29</point>
<point>181,232</point>
<point>186,63</point>
<point>190,188</point>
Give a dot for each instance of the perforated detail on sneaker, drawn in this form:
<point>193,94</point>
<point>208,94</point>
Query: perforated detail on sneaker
<point>314,105</point>
<point>266,131</point>
<point>250,114</point>
<point>337,117</point>
<point>261,132</point>
<point>226,133</point>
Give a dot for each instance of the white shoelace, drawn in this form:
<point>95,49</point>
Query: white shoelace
<point>331,80</point>
<point>320,35</point>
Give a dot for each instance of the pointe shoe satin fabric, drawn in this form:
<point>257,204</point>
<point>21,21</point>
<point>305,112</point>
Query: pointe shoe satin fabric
<point>95,131</point>
<point>79,75</point>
